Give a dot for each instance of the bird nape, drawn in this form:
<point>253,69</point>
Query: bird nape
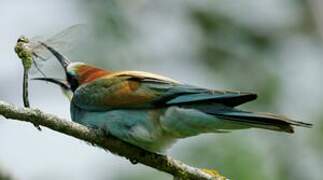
<point>152,111</point>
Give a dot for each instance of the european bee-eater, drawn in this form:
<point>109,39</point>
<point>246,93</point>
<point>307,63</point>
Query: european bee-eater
<point>153,111</point>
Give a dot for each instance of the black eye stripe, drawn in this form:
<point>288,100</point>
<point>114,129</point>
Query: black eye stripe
<point>72,81</point>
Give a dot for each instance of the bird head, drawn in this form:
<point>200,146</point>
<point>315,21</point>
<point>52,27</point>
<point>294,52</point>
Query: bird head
<point>77,73</point>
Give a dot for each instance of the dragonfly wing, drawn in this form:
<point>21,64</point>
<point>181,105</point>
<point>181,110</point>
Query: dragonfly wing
<point>63,41</point>
<point>69,38</point>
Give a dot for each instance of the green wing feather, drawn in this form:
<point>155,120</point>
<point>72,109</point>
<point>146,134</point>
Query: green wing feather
<point>126,91</point>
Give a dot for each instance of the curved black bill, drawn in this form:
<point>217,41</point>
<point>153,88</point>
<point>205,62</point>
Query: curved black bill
<point>63,84</point>
<point>61,58</point>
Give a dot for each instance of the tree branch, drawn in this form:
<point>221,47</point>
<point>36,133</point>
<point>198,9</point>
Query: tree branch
<point>97,138</point>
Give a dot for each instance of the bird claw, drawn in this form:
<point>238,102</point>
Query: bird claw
<point>104,131</point>
<point>101,131</point>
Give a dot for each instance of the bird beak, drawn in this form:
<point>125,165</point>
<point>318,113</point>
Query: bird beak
<point>62,59</point>
<point>63,84</point>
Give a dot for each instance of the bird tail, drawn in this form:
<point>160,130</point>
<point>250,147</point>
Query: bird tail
<point>260,120</point>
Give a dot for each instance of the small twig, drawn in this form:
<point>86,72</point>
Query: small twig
<point>112,144</point>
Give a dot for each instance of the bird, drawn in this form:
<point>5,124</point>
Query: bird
<point>151,111</point>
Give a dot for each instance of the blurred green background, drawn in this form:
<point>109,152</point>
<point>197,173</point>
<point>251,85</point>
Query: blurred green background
<point>271,47</point>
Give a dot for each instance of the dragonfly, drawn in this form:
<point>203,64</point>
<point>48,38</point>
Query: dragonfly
<point>33,54</point>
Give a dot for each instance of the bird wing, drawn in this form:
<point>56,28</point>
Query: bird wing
<point>134,89</point>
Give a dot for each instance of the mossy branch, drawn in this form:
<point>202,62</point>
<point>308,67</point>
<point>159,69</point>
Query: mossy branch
<point>112,144</point>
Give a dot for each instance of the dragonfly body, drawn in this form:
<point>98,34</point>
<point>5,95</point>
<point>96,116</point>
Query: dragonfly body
<point>33,54</point>
<point>26,54</point>
<point>152,111</point>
